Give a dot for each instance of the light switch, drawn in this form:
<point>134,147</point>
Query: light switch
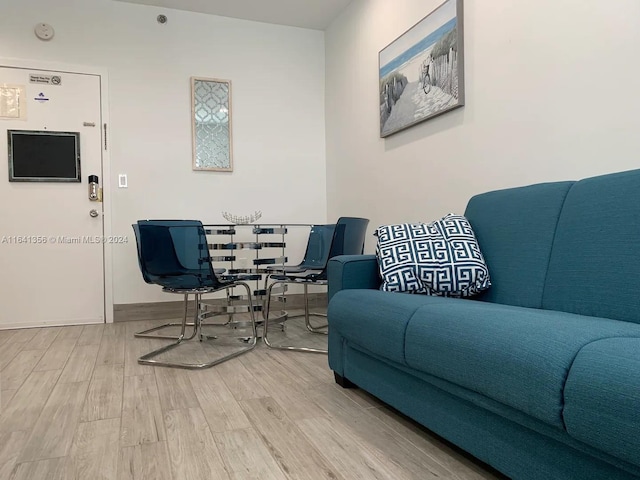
<point>122,180</point>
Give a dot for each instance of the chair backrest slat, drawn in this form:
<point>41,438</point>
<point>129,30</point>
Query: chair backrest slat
<point>318,245</point>
<point>354,234</point>
<point>348,239</point>
<point>174,254</point>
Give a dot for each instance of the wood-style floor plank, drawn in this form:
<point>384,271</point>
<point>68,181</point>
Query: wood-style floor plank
<point>91,335</point>
<point>80,365</point>
<point>175,389</point>
<point>55,358</point>
<point>221,409</point>
<point>111,350</point>
<point>193,452</point>
<point>359,423</point>
<point>104,398</point>
<point>53,432</point>
<point>133,349</point>
<point>5,398</point>
<point>246,457</point>
<point>25,335</point>
<point>8,353</point>
<point>117,330</point>
<point>149,461</point>
<point>43,339</point>
<point>287,444</point>
<point>6,335</point>
<point>95,450</point>
<point>142,418</point>
<point>49,469</point>
<point>71,332</point>
<point>266,414</point>
<point>11,443</point>
<point>22,412</point>
<point>19,369</point>
<point>435,450</point>
<point>286,389</point>
<point>239,380</point>
<point>311,368</point>
<point>351,455</point>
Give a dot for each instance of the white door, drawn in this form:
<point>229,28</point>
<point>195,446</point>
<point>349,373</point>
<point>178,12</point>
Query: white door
<point>51,247</point>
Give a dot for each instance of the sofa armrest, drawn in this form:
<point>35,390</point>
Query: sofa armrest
<point>352,271</point>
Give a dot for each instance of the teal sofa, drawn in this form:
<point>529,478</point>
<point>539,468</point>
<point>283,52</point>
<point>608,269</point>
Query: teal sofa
<point>539,376</point>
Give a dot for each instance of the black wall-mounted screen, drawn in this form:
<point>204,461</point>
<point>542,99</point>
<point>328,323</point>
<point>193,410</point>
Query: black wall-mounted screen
<point>45,156</point>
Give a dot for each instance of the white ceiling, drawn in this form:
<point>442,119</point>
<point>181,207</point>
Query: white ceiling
<point>315,14</point>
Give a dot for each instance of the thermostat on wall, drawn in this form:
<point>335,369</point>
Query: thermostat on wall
<point>44,31</point>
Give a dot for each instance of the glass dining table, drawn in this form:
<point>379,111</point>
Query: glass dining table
<point>253,252</point>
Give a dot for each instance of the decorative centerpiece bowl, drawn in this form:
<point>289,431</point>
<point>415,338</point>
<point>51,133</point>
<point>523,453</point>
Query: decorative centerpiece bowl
<point>242,219</point>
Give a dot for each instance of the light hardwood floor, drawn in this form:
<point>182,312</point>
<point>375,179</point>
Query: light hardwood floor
<point>75,404</point>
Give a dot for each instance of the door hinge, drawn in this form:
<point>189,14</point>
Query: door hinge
<point>105,135</point>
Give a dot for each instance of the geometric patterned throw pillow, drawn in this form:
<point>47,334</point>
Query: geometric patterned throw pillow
<point>439,258</point>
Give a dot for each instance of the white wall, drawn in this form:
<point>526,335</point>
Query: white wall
<point>277,78</point>
<point>551,94</point>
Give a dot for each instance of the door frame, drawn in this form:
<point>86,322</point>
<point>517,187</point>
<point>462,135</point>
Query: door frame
<point>106,159</point>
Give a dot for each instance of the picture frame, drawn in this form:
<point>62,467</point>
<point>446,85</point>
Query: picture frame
<point>421,73</point>
<point>211,124</point>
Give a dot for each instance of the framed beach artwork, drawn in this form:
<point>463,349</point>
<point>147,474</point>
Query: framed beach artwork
<point>422,71</point>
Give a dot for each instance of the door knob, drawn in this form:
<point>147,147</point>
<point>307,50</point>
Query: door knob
<point>93,213</point>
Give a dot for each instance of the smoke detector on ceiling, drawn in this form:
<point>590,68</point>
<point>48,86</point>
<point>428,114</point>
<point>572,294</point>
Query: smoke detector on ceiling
<point>44,31</point>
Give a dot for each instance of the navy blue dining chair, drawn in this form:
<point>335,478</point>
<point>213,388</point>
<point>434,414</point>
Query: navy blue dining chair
<point>174,254</point>
<point>150,333</point>
<point>316,252</point>
<point>345,237</point>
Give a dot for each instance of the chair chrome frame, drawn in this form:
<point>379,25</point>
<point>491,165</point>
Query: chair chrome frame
<point>149,332</point>
<point>315,258</point>
<point>148,359</point>
<point>284,316</point>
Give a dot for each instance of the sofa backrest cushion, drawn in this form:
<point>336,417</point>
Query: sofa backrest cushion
<point>595,262</point>
<point>515,230</point>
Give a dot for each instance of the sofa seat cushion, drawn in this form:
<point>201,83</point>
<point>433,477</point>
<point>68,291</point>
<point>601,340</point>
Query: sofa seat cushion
<point>375,320</point>
<point>514,355</point>
<point>602,397</point>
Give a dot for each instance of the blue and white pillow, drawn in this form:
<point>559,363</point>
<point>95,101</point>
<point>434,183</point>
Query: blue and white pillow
<point>439,258</point>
